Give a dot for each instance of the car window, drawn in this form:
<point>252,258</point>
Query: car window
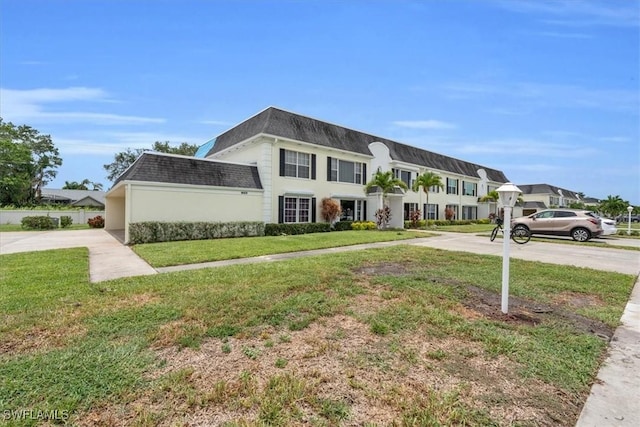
<point>564,214</point>
<point>591,214</point>
<point>548,214</point>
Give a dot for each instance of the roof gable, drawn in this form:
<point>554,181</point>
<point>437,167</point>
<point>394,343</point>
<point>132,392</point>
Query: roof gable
<point>276,122</point>
<point>159,167</point>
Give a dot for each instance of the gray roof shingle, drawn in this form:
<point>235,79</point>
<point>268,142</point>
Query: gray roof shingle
<point>160,167</point>
<point>547,189</point>
<point>276,122</point>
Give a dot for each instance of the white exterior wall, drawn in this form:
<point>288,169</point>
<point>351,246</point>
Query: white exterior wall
<point>172,202</point>
<point>77,216</point>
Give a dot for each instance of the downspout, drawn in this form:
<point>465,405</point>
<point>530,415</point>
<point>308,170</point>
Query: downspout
<point>127,211</point>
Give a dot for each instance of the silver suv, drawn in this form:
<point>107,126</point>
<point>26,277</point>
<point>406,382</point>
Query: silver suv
<point>579,224</point>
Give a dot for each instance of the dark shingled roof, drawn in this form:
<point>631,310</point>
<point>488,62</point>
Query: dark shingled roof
<point>276,122</point>
<point>547,189</point>
<point>158,167</point>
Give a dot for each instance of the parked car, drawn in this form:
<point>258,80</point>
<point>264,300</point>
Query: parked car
<point>608,226</point>
<point>625,218</point>
<point>579,224</point>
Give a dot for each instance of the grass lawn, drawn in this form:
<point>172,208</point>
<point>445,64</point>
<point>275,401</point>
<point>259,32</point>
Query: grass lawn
<point>196,251</point>
<point>18,227</point>
<point>396,336</point>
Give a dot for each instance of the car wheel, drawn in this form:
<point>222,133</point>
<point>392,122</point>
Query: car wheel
<point>580,234</point>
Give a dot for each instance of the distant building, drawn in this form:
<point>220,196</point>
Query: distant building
<point>79,198</point>
<point>543,196</point>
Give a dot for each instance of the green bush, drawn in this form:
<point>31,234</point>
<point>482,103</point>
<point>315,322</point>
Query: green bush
<point>342,225</point>
<point>364,225</point>
<point>153,232</point>
<point>296,228</point>
<point>38,223</point>
<point>65,221</point>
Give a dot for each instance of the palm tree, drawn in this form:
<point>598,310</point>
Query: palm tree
<point>613,206</point>
<point>73,185</point>
<point>426,181</point>
<point>386,182</point>
<point>96,186</point>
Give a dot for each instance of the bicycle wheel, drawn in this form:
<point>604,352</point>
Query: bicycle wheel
<point>520,235</point>
<point>494,233</point>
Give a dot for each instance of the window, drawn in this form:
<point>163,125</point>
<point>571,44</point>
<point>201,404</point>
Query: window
<point>564,214</point>
<point>344,171</point>
<point>554,200</point>
<point>434,189</point>
<point>408,209</point>
<point>452,186</point>
<point>430,211</point>
<point>297,165</point>
<point>296,209</point>
<point>404,176</point>
<point>469,188</point>
<point>469,212</point>
<point>352,210</point>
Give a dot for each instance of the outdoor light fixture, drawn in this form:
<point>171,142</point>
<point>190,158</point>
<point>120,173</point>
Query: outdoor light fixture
<point>508,194</point>
<point>629,209</point>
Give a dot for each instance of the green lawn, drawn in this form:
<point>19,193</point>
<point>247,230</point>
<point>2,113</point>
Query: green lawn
<point>405,334</point>
<point>195,251</point>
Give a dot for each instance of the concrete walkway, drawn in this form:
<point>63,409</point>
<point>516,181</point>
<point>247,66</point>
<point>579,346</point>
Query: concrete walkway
<point>615,397</point>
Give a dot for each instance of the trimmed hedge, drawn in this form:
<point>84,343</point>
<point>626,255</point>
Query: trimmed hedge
<point>342,225</point>
<point>364,225</point>
<point>38,223</point>
<point>153,231</point>
<point>296,228</point>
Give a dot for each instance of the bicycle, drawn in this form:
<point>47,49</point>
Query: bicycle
<point>519,234</point>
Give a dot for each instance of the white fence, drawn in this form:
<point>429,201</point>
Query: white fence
<point>77,216</point>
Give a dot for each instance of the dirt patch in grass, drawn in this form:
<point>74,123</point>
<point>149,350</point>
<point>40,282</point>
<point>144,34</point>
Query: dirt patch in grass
<point>374,379</point>
<point>524,311</point>
<point>39,339</point>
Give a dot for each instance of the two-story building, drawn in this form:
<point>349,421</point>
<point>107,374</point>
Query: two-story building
<point>277,166</point>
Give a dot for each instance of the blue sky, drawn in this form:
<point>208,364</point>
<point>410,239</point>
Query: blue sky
<point>546,91</point>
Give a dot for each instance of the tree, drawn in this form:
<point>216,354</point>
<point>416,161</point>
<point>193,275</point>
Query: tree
<point>426,181</point>
<point>40,165</point>
<point>385,181</point>
<point>126,158</point>
<point>82,185</point>
<point>331,210</point>
<point>613,206</point>
<point>73,185</point>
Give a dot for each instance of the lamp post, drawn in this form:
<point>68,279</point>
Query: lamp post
<point>508,194</point>
<point>629,209</point>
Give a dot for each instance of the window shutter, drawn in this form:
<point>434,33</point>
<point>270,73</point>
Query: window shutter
<point>365,178</point>
<point>313,166</point>
<point>280,209</point>
<point>282,162</point>
<point>328,168</point>
<point>437,212</point>
<point>364,209</point>
<point>313,209</point>
<point>424,211</point>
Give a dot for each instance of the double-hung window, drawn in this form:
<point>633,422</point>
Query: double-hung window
<point>297,165</point>
<point>469,188</point>
<point>404,176</point>
<point>452,186</point>
<point>344,171</point>
<point>296,209</point>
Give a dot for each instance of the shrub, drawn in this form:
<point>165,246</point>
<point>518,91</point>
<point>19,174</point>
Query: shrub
<point>296,228</point>
<point>383,216</point>
<point>65,221</point>
<point>449,214</point>
<point>38,223</point>
<point>153,232</point>
<point>342,225</point>
<point>96,222</point>
<point>330,210</point>
<point>414,217</point>
<point>363,225</point>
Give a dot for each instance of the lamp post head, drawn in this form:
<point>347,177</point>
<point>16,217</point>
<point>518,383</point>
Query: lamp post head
<point>508,194</point>
<point>629,209</point>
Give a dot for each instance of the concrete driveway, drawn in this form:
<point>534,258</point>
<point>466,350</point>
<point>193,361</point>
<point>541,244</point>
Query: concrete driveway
<point>108,257</point>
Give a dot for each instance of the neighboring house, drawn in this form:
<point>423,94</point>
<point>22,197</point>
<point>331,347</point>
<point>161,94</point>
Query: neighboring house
<point>293,162</point>
<point>543,196</point>
<point>79,198</point>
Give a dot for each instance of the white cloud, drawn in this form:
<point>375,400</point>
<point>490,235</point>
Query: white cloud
<point>424,124</point>
<point>30,105</point>
<point>580,13</point>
